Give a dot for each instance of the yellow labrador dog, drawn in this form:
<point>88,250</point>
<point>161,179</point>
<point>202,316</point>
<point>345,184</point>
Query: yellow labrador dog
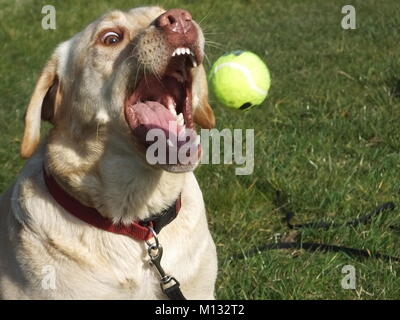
<point>79,219</point>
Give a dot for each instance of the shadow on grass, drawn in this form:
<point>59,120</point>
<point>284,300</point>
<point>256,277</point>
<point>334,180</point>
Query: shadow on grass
<point>394,86</point>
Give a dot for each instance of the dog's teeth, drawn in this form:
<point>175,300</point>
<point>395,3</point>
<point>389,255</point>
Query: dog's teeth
<point>170,143</point>
<point>171,108</point>
<point>174,113</point>
<point>197,140</point>
<point>180,51</point>
<point>180,120</point>
<point>193,59</point>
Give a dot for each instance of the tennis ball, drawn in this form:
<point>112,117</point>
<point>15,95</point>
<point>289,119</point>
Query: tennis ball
<point>240,80</point>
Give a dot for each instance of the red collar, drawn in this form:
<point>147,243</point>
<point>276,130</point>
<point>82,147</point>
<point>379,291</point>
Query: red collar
<point>138,230</point>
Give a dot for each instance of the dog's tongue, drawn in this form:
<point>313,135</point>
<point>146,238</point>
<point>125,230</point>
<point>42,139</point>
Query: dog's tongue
<point>144,116</point>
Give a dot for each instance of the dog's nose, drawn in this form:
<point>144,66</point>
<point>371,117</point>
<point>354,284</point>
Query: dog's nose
<point>179,30</point>
<point>175,21</point>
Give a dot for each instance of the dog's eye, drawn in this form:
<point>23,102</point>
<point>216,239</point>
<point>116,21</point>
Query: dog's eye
<point>110,38</point>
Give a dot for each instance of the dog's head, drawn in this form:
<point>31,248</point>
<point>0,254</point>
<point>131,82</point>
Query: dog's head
<point>125,74</point>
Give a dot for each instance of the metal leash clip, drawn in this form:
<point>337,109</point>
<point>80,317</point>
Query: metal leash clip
<point>155,252</point>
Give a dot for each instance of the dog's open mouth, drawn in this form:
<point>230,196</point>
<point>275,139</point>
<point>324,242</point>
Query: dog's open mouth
<point>164,102</point>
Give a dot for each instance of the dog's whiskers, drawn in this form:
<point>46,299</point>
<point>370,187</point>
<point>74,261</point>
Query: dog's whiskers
<point>208,60</point>
<point>214,42</point>
<point>215,45</point>
<point>207,14</point>
<point>156,74</point>
<point>137,73</point>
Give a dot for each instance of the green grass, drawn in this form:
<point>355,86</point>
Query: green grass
<point>327,135</point>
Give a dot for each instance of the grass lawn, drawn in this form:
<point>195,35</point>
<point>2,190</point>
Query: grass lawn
<point>327,135</point>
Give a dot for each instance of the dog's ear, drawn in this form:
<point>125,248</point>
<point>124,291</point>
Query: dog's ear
<point>41,105</point>
<point>203,115</point>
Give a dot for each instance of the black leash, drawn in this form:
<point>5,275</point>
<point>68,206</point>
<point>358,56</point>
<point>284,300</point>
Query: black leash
<point>313,246</point>
<point>168,284</point>
<point>281,204</point>
<point>326,225</point>
<point>171,287</point>
<point>174,292</point>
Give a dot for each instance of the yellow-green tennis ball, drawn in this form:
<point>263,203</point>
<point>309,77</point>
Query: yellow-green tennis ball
<point>240,80</point>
